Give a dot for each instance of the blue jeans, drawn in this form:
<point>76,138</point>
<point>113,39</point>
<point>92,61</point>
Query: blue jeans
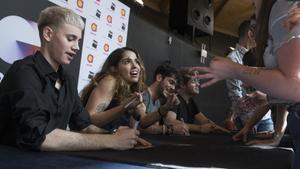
<point>261,126</point>
<point>294,128</point>
<point>264,125</point>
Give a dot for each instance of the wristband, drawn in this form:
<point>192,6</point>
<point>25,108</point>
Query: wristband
<point>163,129</point>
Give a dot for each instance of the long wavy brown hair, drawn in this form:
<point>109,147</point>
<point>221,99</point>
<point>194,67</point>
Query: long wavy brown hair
<point>123,88</point>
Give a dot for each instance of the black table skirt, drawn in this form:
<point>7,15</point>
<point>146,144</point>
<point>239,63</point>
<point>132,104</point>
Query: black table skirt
<point>13,158</point>
<point>213,150</point>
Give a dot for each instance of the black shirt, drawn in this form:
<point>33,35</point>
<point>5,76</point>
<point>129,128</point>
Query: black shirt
<point>122,120</point>
<point>31,106</point>
<point>187,111</point>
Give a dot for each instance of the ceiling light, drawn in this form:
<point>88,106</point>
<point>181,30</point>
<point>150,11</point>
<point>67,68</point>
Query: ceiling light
<point>140,2</point>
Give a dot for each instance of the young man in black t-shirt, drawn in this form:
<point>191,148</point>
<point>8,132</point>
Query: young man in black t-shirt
<point>187,111</point>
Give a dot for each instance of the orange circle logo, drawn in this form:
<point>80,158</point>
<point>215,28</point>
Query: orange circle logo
<point>120,38</point>
<point>109,19</point>
<point>90,58</point>
<point>80,3</point>
<point>94,27</point>
<point>123,12</point>
<point>106,47</point>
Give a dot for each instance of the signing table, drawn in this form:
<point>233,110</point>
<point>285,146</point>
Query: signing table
<point>213,150</point>
<point>201,151</point>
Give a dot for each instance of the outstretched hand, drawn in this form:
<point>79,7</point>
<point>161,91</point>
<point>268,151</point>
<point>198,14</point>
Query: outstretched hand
<point>220,68</point>
<point>242,135</point>
<point>293,20</point>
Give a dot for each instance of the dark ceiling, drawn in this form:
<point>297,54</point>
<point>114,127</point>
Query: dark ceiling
<point>228,14</point>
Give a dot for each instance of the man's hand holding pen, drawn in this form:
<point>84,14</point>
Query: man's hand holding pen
<point>171,99</point>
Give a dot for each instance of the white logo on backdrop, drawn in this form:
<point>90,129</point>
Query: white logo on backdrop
<point>105,30</point>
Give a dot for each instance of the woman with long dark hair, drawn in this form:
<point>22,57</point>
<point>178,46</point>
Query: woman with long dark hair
<point>115,90</point>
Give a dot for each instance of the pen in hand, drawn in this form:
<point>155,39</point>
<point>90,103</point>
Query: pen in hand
<point>133,100</point>
<point>137,118</point>
<point>129,103</point>
<point>186,133</point>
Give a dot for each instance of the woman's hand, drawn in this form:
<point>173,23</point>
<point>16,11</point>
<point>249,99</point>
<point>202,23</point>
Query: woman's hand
<point>229,124</point>
<point>220,68</point>
<point>242,134</point>
<point>140,108</point>
<point>133,101</point>
<point>294,19</point>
